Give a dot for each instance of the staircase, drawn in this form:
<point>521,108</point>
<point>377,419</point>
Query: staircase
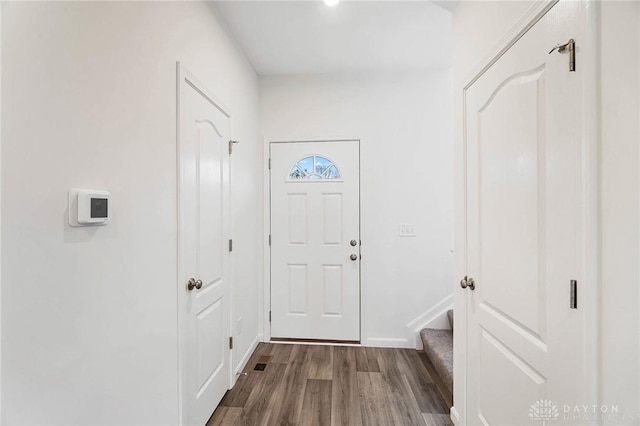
<point>438,347</point>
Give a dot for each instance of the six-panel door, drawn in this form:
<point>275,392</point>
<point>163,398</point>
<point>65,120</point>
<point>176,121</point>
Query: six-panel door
<point>315,232</point>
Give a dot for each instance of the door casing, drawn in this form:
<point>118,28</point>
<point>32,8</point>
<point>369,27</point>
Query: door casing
<point>266,290</point>
<point>588,61</point>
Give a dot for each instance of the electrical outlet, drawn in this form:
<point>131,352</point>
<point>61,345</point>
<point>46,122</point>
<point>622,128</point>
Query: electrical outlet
<point>407,230</point>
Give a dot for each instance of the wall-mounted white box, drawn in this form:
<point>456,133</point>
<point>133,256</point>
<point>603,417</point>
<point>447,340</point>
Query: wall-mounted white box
<point>89,207</point>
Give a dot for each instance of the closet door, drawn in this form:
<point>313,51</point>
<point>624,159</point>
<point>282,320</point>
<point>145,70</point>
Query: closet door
<point>525,235</point>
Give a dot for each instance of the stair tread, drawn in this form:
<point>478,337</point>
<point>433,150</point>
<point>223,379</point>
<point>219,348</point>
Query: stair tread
<point>438,345</point>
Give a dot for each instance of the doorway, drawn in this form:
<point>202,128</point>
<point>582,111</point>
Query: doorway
<point>315,240</point>
<point>203,251</point>
<point>525,228</point>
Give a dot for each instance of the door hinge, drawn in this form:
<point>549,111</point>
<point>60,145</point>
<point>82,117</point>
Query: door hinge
<point>573,303</point>
<point>269,239</point>
<point>269,164</point>
<point>230,245</point>
<point>231,142</point>
<point>230,342</point>
<point>571,47</point>
<point>269,316</point>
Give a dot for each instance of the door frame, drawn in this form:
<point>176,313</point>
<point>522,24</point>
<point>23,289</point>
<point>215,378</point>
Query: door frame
<point>588,54</point>
<point>183,73</point>
<point>266,289</point>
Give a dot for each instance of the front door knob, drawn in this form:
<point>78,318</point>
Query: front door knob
<point>353,243</point>
<point>199,284</point>
<point>353,257</point>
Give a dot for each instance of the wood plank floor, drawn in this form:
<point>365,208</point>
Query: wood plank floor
<point>333,385</point>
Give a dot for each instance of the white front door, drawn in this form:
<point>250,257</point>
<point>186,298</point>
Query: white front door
<point>525,230</point>
<point>203,285</point>
<point>315,240</point>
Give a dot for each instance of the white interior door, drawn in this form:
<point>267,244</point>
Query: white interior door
<point>315,240</point>
<point>203,252</point>
<point>524,229</point>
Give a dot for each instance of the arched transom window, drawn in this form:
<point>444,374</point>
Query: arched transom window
<point>314,167</point>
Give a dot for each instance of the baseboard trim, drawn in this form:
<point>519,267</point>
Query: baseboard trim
<point>304,341</point>
<point>434,312</point>
<point>315,343</point>
<point>435,317</point>
<point>388,342</point>
<point>455,417</point>
<point>246,356</point>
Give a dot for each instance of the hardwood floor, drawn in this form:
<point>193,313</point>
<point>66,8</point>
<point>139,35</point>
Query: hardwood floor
<point>333,385</point>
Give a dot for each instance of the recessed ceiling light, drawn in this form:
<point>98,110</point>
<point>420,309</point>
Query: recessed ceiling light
<point>331,3</point>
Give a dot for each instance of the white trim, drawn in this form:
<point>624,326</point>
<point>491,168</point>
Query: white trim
<point>266,288</point>
<point>388,342</point>
<point>181,410</point>
<point>364,288</point>
<point>438,310</point>
<point>591,192</point>
<point>0,220</point>
<point>306,343</point>
<point>454,416</point>
<point>590,117</point>
<point>537,10</point>
<point>266,282</point>
<point>435,311</point>
<point>299,140</point>
<point>245,358</point>
<point>183,73</point>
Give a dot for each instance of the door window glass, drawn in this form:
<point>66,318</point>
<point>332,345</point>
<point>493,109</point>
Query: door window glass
<point>314,167</point>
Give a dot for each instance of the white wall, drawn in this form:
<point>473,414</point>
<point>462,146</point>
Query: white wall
<point>477,28</point>
<point>89,317</point>
<point>404,123</point>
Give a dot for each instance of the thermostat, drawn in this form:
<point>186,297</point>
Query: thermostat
<point>89,207</point>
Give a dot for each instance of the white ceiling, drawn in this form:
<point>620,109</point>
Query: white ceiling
<point>307,37</point>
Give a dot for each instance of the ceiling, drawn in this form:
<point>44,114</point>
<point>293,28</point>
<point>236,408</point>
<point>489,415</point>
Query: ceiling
<point>307,37</point>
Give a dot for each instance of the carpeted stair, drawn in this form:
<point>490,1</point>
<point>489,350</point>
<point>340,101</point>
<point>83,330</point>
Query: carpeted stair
<point>438,346</point>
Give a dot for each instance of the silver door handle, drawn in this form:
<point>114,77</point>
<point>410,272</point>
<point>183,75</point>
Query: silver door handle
<point>353,257</point>
<point>468,283</point>
<point>353,243</point>
<point>471,284</point>
<point>191,284</point>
